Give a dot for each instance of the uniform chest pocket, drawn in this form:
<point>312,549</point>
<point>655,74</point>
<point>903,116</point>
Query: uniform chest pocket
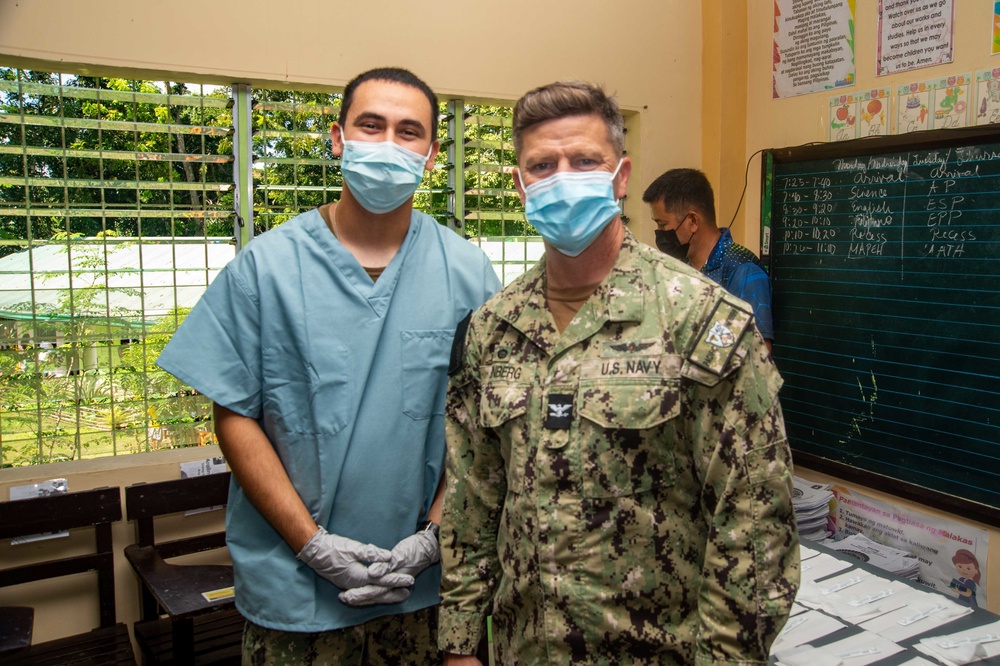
<point>627,435</point>
<point>502,407</point>
<point>424,368</point>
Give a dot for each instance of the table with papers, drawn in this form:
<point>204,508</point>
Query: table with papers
<point>850,613</point>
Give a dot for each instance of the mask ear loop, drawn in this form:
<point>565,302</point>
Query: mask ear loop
<point>618,168</point>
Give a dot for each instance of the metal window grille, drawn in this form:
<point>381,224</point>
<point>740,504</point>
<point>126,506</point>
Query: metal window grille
<point>117,202</point>
<point>115,212</point>
<point>493,215</point>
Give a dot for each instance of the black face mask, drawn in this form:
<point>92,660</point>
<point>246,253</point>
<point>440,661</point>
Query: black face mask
<point>668,243</point>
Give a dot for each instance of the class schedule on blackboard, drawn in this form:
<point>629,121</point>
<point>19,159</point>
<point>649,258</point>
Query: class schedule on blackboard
<point>885,261</point>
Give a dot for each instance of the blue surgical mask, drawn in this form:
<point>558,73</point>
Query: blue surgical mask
<point>570,208</point>
<point>381,175</point>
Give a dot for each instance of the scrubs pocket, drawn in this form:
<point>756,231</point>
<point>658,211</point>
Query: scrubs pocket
<point>626,435</point>
<point>424,365</point>
<point>502,408</point>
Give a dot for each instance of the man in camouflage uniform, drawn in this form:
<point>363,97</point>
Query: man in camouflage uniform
<point>619,482</point>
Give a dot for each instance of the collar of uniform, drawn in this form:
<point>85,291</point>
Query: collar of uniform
<point>621,293</point>
<point>523,307</point>
<point>618,298</point>
<point>719,251</point>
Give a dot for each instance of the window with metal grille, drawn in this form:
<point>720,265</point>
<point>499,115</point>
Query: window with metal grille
<point>115,212</point>
<point>117,206</point>
<point>492,214</point>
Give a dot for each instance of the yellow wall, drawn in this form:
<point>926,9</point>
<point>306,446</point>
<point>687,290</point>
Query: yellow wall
<point>797,120</point>
<point>724,94</point>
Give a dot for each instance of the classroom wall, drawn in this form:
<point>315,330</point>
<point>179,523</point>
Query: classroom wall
<point>648,52</point>
<point>803,119</point>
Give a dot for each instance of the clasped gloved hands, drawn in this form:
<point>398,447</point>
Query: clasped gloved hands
<point>345,563</point>
<point>409,557</point>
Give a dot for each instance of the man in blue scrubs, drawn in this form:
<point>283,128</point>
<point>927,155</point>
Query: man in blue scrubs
<point>325,346</point>
<point>683,207</point>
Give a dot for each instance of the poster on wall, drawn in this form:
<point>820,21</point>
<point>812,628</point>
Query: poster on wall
<point>952,555</point>
<point>843,118</point>
<point>813,46</point>
<point>987,105</point>
<point>951,102</point>
<point>873,108</point>
<point>914,34</point>
<point>996,28</point>
<point>913,104</point>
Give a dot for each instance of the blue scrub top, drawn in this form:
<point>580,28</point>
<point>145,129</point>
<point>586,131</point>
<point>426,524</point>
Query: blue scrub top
<point>347,378</point>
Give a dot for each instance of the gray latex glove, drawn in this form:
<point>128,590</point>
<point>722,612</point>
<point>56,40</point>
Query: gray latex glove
<point>344,562</point>
<point>369,595</point>
<point>411,555</point>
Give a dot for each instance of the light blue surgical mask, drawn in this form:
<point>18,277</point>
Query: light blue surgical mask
<point>381,175</point>
<point>570,208</point>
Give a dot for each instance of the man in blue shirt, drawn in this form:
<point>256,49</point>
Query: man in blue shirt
<point>683,207</point>
<point>325,346</point>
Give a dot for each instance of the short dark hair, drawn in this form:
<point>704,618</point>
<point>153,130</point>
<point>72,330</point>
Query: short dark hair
<point>395,75</point>
<point>569,98</point>
<point>680,190</point>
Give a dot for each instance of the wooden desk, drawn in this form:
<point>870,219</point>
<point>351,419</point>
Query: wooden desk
<point>188,611</point>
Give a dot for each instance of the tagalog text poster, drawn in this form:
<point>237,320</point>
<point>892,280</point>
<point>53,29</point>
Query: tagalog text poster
<point>813,46</point>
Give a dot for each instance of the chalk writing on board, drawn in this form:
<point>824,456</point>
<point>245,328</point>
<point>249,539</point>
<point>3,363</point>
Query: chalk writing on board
<point>884,255</point>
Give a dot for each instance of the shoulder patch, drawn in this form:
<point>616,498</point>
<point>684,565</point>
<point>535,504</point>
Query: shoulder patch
<point>719,337</point>
<point>458,345</point>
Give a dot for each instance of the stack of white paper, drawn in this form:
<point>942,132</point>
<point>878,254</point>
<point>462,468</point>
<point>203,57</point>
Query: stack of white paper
<point>893,560</point>
<point>964,647</point>
<point>811,502</point>
<point>854,596</point>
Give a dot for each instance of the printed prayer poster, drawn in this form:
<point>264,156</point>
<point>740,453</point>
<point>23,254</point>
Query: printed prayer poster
<point>813,46</point>
<point>914,34</point>
<point>843,118</point>
<point>952,555</point>
<point>873,109</point>
<point>951,102</point>
<point>987,105</point>
<point>913,104</point>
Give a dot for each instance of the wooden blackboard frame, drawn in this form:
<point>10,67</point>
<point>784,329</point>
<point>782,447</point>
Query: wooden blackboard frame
<point>918,141</point>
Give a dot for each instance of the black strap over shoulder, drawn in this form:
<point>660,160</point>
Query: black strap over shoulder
<point>458,345</point>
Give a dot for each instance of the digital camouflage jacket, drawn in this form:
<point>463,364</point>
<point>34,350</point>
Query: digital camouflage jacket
<point>621,492</point>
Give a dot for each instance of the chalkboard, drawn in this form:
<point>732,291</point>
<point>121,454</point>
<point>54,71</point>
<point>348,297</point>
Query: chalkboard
<point>884,256</point>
